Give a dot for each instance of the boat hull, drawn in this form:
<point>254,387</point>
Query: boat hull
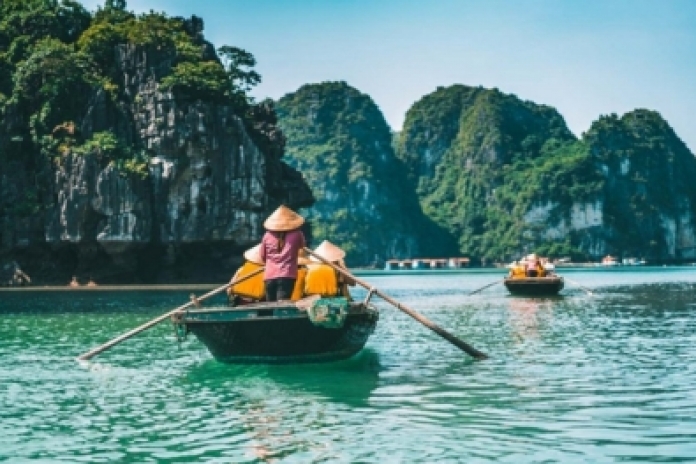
<point>534,286</point>
<point>278,333</point>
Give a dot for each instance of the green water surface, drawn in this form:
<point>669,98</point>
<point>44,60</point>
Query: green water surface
<point>608,377</point>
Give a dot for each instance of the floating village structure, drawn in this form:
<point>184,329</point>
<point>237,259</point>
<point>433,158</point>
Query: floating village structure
<point>425,264</point>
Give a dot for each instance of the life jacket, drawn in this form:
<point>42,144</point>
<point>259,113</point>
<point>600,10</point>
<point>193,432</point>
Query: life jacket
<point>541,271</point>
<point>321,280</point>
<point>253,287</point>
<point>518,272</point>
<point>298,291</point>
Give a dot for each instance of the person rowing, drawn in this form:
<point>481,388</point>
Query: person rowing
<point>279,251</point>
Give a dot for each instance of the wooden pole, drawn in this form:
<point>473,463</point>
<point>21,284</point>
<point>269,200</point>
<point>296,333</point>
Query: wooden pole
<point>471,351</point>
<point>157,320</point>
<point>589,292</point>
<point>486,286</point>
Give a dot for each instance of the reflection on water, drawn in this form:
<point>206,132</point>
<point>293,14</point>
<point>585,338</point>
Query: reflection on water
<point>350,381</point>
<point>273,401</point>
<point>577,378</point>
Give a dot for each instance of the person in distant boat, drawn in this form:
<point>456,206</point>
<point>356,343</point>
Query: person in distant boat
<point>91,283</point>
<point>74,282</point>
<point>532,266</point>
<point>252,289</point>
<point>324,280</point>
<point>517,270</point>
<point>549,268</point>
<point>279,251</point>
<point>541,271</point>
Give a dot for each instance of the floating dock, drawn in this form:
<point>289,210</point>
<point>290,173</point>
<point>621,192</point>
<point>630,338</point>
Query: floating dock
<point>425,263</point>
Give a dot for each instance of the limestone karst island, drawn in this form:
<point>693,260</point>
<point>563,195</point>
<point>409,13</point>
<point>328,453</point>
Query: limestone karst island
<point>131,152</point>
<point>347,231</point>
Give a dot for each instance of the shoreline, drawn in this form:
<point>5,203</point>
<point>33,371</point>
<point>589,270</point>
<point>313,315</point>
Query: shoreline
<point>358,272</point>
<point>113,288</point>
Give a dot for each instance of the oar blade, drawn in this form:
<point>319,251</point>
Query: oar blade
<point>471,351</point>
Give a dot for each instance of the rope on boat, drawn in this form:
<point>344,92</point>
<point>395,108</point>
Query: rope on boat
<point>180,328</point>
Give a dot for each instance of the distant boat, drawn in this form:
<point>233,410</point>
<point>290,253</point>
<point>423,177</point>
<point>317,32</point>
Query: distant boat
<point>282,332</point>
<point>534,286</point>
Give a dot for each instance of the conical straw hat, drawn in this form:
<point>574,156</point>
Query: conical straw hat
<point>254,255</point>
<point>328,251</point>
<point>283,219</point>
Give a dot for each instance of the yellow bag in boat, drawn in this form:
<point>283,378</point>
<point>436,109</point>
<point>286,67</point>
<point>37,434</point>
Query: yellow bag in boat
<point>518,272</point>
<point>251,288</point>
<point>298,291</point>
<point>321,280</point>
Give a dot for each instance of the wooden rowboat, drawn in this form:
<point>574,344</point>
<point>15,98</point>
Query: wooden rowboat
<point>317,330</point>
<point>534,286</point>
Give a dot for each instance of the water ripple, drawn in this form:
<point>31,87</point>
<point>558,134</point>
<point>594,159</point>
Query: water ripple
<point>578,378</point>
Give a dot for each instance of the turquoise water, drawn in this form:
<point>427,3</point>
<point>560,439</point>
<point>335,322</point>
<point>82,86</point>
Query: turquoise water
<point>608,377</point>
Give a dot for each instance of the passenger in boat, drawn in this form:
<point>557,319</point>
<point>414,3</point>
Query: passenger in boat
<point>74,282</point>
<point>253,289</point>
<point>298,290</point>
<point>541,271</point>
<point>532,266</point>
<point>279,252</point>
<point>549,268</point>
<point>517,270</point>
<point>324,280</point>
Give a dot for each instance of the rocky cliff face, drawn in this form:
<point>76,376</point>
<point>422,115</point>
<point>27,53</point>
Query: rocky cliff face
<point>339,139</point>
<point>641,202</point>
<point>647,206</point>
<point>461,144</point>
<point>207,192</point>
<point>506,177</point>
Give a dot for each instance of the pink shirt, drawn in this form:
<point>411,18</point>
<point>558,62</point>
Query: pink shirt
<point>281,263</point>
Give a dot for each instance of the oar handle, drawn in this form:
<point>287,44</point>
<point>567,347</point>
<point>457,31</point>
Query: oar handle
<point>157,320</point>
<point>470,350</point>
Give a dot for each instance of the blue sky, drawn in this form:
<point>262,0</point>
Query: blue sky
<point>583,57</point>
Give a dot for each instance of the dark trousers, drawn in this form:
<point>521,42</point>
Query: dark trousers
<point>279,289</point>
<point>532,273</point>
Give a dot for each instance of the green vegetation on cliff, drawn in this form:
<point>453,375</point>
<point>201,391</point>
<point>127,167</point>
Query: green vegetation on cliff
<point>649,176</point>
<point>55,56</point>
<point>479,158</point>
<point>505,176</point>
<point>338,138</point>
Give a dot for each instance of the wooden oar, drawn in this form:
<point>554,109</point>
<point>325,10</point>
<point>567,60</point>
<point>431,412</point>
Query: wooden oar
<point>589,291</point>
<point>147,325</point>
<point>471,351</point>
<point>486,286</point>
